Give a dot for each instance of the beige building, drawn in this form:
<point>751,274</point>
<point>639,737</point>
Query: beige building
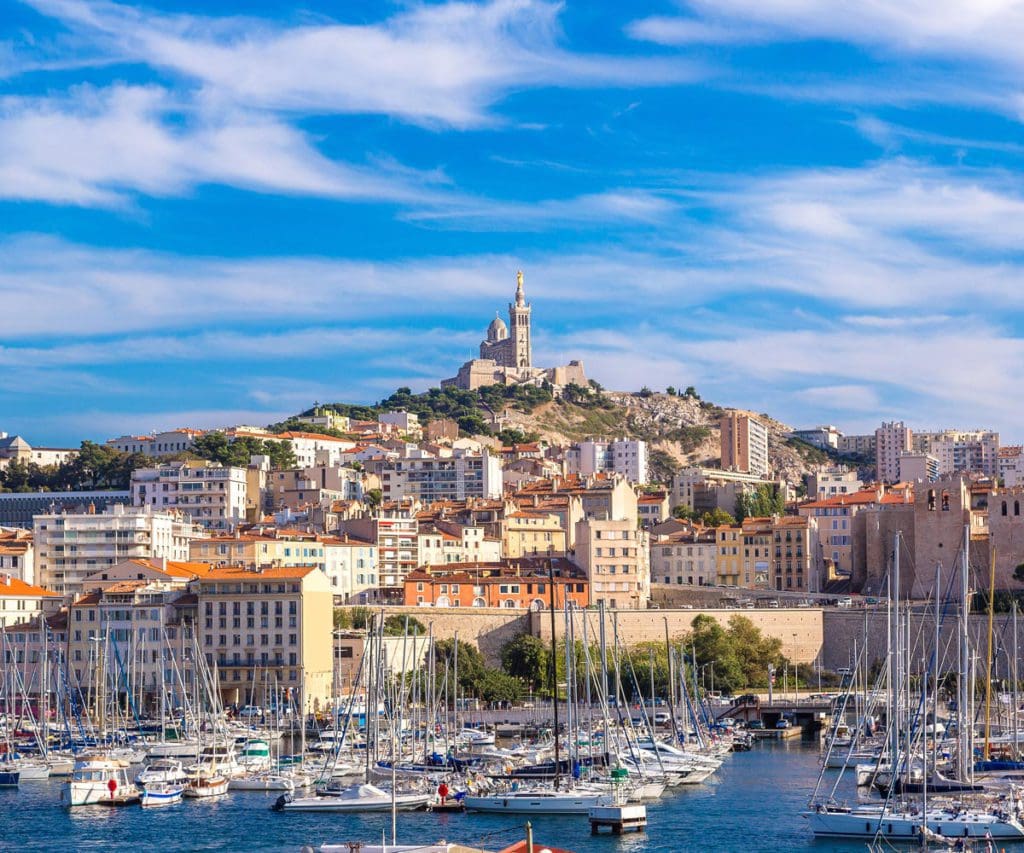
<point>615,555</point>
<point>506,355</point>
<point>1011,466</point>
<point>142,626</point>
<point>744,444</point>
<point>528,533</point>
<point>796,555</point>
<point>276,622</point>
<point>685,558</point>
<point>757,542</point>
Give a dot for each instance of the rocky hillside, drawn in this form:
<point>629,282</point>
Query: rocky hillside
<point>680,430</point>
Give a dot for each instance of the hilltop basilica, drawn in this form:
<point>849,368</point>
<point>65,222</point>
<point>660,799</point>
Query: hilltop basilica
<point>506,356</point>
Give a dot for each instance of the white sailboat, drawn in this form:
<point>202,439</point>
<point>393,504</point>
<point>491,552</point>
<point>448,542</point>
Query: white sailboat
<point>355,798</point>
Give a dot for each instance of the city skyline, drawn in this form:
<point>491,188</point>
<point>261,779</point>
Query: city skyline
<point>208,220</point>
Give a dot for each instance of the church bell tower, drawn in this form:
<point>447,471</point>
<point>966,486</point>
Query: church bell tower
<point>519,326</point>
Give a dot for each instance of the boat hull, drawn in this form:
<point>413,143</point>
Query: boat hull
<point>872,823</point>
<point>525,804</point>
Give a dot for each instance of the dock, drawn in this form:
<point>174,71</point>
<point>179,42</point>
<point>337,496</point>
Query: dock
<point>618,818</point>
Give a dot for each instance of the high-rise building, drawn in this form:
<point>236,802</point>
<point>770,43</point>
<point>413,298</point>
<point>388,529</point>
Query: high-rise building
<point>892,438</point>
<point>627,457</point>
<point>744,444</point>
<point>213,495</point>
<point>71,547</point>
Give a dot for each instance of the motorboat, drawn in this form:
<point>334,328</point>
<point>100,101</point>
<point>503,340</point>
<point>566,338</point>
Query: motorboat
<point>162,770</point>
<point>540,801</point>
<point>162,793</point>
<point>355,798</point>
<point>265,781</point>
<point>205,782</point>
<point>99,779</point>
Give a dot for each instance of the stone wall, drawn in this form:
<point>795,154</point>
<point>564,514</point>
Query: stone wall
<point>489,628</point>
<point>799,629</point>
<point>844,628</point>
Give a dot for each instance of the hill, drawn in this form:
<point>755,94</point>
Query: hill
<point>681,429</point>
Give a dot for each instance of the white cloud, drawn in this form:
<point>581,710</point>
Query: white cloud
<point>132,139</point>
<point>445,64</point>
<point>988,30</point>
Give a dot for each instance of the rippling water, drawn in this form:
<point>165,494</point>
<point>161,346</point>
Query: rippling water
<point>752,804</point>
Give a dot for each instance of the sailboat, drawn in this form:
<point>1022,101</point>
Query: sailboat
<point>906,819</point>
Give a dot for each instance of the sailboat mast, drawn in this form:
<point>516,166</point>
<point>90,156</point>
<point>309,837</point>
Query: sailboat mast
<point>554,666</point>
<point>963,700</point>
<point>988,666</point>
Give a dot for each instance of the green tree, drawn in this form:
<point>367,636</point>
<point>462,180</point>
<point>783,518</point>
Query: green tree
<point>684,513</point>
<point>496,686</point>
<point>395,626</point>
<point>766,500</point>
<point>373,498</point>
<point>717,517</point>
<point>671,391</point>
<point>645,392</point>
<point>527,658</point>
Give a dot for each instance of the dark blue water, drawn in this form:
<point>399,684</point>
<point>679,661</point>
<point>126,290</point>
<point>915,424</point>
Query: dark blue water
<point>753,803</point>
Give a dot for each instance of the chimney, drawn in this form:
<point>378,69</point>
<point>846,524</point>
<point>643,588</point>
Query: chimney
<point>163,563</point>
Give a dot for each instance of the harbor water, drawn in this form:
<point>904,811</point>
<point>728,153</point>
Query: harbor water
<point>752,803</point>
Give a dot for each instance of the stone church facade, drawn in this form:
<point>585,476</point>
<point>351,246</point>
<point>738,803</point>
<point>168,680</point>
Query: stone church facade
<point>506,355</point>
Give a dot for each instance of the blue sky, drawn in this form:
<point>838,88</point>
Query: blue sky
<point>219,213</point>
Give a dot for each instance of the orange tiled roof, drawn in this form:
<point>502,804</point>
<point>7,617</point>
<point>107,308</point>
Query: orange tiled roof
<point>12,586</point>
<point>269,573</point>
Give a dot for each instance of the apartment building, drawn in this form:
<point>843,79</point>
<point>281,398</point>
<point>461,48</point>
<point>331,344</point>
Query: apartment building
<point>918,467</point>
<point>271,624</point>
<point>892,439</point>
<point>796,561</point>
<point>966,451</point>
<point>140,626</point>
<point>829,482</point>
<point>729,556</point>
<point>315,485</point>
<point>20,601</point>
<point>532,532</point>
<point>615,555</point>
<point>757,534</point>
<point>17,555</point>
<point>70,547</point>
<point>511,584</point>
<point>1011,466</point>
<point>823,437</point>
<point>396,534</point>
<point>432,478</point>
<point>687,557</point>
<point>744,444</point>
<point>856,445</point>
<point>442,543</point>
<point>653,508</point>
<point>214,496</point>
<point>626,457</point>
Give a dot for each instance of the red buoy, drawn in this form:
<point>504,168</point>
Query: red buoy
<point>442,792</point>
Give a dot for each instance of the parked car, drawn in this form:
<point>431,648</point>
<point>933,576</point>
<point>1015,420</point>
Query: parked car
<point>755,724</point>
<point>662,718</point>
<point>784,724</point>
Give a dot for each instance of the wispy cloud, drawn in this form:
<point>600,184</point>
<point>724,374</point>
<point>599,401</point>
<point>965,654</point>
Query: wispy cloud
<point>445,64</point>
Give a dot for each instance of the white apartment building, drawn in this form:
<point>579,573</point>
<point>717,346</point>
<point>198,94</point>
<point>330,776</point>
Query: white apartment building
<point>626,457</point>
<point>892,439</point>
<point>213,495</point>
<point>351,567</point>
<point>964,451</point>
<point>463,475</point>
<point>829,482</point>
<point>71,547</point>
<point>17,555</point>
<point>20,601</point>
<point>1011,466</point>
<point>616,558</point>
<point>406,422</point>
<point>824,437</point>
<point>446,543</point>
<point>311,449</point>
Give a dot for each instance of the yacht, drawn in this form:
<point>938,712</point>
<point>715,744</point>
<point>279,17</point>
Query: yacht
<point>540,801</point>
<point>162,793</point>
<point>869,821</point>
<point>355,798</point>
